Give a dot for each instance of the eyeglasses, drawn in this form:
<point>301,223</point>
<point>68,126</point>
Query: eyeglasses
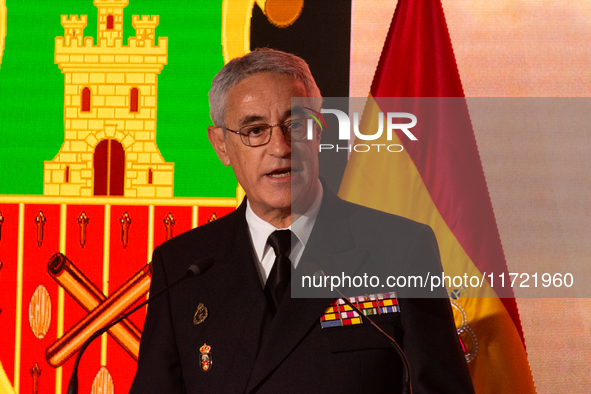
<point>260,134</point>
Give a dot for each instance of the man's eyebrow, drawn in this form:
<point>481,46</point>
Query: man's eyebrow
<point>250,119</point>
<point>286,114</point>
<point>297,110</point>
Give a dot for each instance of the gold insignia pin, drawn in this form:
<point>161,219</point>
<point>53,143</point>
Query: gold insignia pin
<point>205,357</point>
<point>201,314</point>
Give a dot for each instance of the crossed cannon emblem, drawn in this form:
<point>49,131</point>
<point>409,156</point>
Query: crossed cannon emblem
<point>101,309</point>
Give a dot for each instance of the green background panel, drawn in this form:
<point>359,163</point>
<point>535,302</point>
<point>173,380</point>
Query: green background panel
<point>32,91</point>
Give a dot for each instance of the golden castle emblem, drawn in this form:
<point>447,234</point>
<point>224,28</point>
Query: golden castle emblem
<point>110,100</point>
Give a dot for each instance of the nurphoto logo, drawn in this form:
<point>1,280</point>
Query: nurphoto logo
<point>402,121</point>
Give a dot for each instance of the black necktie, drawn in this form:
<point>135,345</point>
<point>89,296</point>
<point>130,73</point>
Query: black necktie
<point>280,275</point>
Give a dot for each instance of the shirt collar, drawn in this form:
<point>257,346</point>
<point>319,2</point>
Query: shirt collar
<point>302,227</point>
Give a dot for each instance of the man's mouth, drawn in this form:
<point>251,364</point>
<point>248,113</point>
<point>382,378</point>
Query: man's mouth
<point>281,173</point>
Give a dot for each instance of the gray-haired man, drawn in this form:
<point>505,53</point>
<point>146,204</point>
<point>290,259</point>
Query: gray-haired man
<point>256,338</point>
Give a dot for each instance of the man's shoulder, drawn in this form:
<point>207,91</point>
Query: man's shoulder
<point>369,219</point>
<point>372,214</point>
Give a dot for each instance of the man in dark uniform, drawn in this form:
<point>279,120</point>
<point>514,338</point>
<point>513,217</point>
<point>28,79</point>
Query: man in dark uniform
<point>236,328</point>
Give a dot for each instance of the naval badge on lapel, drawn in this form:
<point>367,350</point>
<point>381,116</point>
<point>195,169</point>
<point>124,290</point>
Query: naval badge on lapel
<point>201,314</point>
<point>205,357</point>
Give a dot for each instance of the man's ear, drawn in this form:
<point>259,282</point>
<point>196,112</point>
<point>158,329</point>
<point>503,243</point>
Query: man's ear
<point>217,139</point>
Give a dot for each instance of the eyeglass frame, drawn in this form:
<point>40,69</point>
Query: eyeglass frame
<point>282,126</point>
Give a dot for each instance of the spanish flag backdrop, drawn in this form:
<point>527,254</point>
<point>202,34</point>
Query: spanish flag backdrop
<point>439,181</point>
<point>104,155</point>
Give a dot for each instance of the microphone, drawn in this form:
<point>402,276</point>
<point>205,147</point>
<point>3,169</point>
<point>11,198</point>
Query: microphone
<point>198,268</point>
<point>406,384</point>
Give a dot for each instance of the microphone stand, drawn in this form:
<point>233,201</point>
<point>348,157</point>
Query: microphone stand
<point>406,384</point>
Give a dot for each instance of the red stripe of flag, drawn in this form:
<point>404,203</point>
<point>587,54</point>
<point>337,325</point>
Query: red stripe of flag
<point>418,48</point>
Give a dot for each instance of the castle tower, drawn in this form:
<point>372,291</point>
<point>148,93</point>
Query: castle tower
<point>110,20</point>
<point>110,100</point>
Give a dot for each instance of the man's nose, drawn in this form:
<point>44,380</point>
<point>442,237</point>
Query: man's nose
<point>279,144</point>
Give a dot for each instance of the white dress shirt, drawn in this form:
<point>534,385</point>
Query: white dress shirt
<point>260,231</point>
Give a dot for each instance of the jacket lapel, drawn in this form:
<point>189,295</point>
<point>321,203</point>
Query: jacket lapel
<point>330,247</point>
<point>240,306</point>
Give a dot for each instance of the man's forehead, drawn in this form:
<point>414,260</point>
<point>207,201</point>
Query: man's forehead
<point>263,97</point>
<point>249,118</point>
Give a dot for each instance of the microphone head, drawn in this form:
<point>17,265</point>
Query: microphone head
<point>200,266</point>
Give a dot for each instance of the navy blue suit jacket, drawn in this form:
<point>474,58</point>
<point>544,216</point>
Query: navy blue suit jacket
<point>290,353</point>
